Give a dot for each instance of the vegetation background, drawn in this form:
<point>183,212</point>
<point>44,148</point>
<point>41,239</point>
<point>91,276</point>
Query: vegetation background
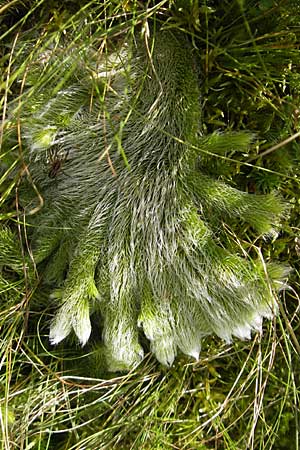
<point>239,396</point>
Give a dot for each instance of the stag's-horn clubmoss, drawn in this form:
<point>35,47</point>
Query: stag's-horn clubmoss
<point>125,225</point>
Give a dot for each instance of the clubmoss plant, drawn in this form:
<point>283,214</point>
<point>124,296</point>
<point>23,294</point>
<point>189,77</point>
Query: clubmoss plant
<point>124,229</point>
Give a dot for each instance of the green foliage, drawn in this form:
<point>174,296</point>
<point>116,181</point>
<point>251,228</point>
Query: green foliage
<point>95,95</point>
<point>135,246</point>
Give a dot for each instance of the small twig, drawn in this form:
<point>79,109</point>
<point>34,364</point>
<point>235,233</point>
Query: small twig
<point>289,327</point>
<point>7,87</point>
<point>106,152</point>
<point>276,147</point>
